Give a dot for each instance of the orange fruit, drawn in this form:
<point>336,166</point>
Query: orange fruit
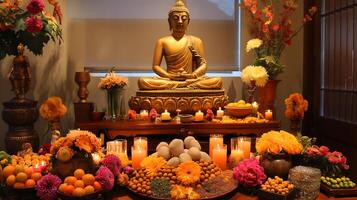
<point>36,176</point>
<point>28,171</point>
<point>68,190</point>
<point>62,187</point>
<point>11,180</point>
<point>79,192</point>
<point>79,173</point>
<point>19,185</point>
<point>89,189</point>
<point>70,180</point>
<point>8,170</point>
<point>21,177</point>
<point>97,185</point>
<point>18,169</point>
<point>88,179</point>
<point>79,183</point>
<point>30,183</point>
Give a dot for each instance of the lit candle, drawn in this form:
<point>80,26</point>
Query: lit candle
<point>235,157</point>
<point>141,142</point>
<point>214,140</point>
<point>144,115</point>
<point>165,116</point>
<point>244,144</point>
<point>199,116</point>
<point>137,155</point>
<point>255,107</point>
<point>219,156</point>
<point>268,115</point>
<point>96,158</point>
<point>220,113</point>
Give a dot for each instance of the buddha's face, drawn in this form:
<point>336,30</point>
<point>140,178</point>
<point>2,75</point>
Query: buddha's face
<point>179,21</point>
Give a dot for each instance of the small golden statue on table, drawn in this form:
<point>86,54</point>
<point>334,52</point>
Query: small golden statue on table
<point>183,85</point>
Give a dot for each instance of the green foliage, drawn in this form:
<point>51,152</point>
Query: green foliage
<point>306,141</point>
<point>271,64</point>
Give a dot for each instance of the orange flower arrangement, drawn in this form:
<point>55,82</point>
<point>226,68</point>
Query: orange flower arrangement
<point>296,106</point>
<point>53,109</point>
<point>188,172</point>
<point>276,142</point>
<point>82,140</point>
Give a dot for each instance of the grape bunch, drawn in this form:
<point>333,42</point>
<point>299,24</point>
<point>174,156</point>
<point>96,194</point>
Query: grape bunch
<point>342,182</point>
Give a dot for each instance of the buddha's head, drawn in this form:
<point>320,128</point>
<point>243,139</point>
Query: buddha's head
<point>179,17</point>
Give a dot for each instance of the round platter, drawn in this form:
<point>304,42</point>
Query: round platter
<point>227,189</point>
<point>94,196</point>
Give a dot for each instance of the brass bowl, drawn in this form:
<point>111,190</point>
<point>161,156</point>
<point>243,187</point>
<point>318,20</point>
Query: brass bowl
<point>186,118</point>
<point>240,112</point>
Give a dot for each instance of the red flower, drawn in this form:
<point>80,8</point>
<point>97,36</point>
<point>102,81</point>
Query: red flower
<point>324,150</point>
<point>35,6</point>
<point>34,24</point>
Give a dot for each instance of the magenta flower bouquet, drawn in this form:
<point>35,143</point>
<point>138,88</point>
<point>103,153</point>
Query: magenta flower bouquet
<point>28,22</point>
<point>249,173</point>
<point>113,163</point>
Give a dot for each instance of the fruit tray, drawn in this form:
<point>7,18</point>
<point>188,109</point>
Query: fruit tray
<point>334,192</point>
<point>274,196</point>
<point>94,196</point>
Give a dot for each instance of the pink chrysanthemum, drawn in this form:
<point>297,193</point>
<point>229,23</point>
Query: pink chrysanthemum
<point>47,187</point>
<point>113,163</point>
<point>105,177</point>
<point>249,173</point>
<point>34,24</point>
<point>35,6</point>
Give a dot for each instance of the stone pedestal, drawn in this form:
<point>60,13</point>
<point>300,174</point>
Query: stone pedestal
<point>188,101</point>
<point>20,115</point>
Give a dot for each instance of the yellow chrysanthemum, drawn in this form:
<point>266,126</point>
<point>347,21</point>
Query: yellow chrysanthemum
<point>274,142</point>
<point>253,44</point>
<point>188,172</point>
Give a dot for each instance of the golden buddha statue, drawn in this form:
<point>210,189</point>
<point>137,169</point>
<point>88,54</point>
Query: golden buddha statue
<point>184,56</point>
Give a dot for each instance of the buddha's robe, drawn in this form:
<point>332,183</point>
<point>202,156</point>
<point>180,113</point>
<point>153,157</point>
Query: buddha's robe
<point>182,61</point>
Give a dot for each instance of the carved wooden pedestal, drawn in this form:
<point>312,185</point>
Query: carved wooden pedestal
<point>20,115</point>
<point>187,100</point>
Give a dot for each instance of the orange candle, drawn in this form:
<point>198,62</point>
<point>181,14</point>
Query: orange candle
<point>137,155</point>
<point>144,115</point>
<point>141,142</point>
<point>268,115</point>
<point>214,140</point>
<point>219,156</point>
<point>199,116</point>
<point>165,116</point>
<point>244,144</point>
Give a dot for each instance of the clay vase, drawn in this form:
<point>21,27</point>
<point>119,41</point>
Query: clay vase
<point>82,79</point>
<point>277,165</point>
<point>267,95</point>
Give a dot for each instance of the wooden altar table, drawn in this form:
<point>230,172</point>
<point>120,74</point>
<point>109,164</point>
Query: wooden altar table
<point>166,131</point>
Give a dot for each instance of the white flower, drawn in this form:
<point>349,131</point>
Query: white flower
<point>253,44</point>
<point>255,73</point>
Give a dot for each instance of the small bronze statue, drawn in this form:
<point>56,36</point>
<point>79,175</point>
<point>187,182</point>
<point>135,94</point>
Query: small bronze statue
<point>184,55</point>
<point>20,75</point>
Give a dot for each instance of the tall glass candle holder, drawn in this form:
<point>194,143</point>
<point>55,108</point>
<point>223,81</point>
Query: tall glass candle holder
<point>244,144</point>
<point>219,156</point>
<point>236,153</point>
<point>141,142</point>
<point>214,140</point>
<point>138,154</point>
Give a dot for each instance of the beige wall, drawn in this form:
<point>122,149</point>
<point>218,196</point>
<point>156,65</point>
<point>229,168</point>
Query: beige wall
<point>53,72</point>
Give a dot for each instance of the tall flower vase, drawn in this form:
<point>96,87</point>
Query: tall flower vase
<point>115,102</point>
<point>267,95</point>
<point>295,127</point>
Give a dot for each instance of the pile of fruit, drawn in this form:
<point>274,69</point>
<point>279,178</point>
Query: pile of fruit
<point>20,177</point>
<point>80,184</point>
<point>240,104</point>
<point>178,170</point>
<point>179,151</point>
<point>277,185</point>
<point>336,183</point>
<point>31,159</point>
